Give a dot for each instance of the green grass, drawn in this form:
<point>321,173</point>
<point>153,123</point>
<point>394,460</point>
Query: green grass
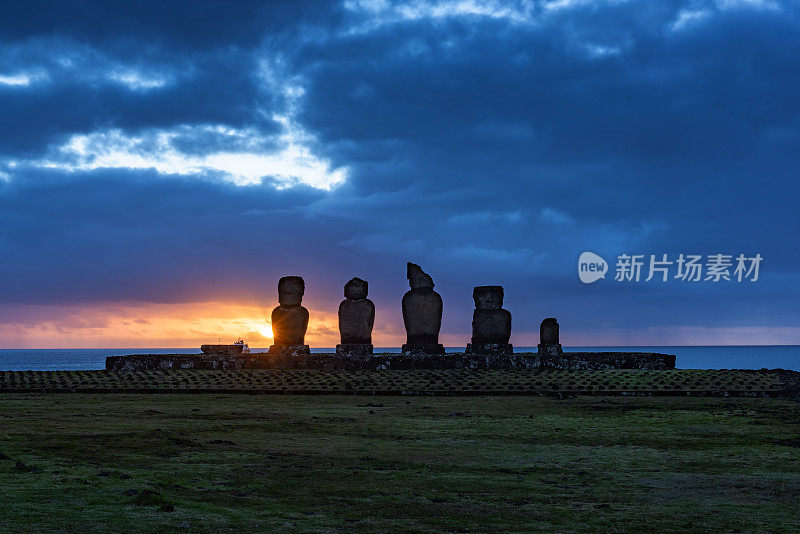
<point>347,463</point>
<point>674,382</point>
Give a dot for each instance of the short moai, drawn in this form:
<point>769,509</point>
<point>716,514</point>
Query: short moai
<point>290,318</point>
<point>422,314</point>
<point>491,324</point>
<point>356,318</point>
<point>548,338</point>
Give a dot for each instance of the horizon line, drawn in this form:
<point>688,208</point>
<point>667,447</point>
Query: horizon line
<point>398,347</point>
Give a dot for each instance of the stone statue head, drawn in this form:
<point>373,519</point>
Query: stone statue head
<point>290,290</point>
<point>488,297</point>
<point>417,278</point>
<point>356,289</point>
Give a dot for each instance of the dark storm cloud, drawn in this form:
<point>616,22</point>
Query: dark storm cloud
<point>77,88</point>
<point>491,145</point>
<point>128,235</point>
<point>608,129</point>
<point>204,24</point>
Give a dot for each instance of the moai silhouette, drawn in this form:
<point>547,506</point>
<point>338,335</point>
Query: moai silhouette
<point>290,318</point>
<point>356,318</point>
<point>548,338</point>
<point>422,313</point>
<point>491,324</point>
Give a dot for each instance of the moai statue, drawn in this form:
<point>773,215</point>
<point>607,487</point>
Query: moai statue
<point>491,324</point>
<point>422,314</point>
<point>548,338</point>
<point>356,318</point>
<point>290,319</point>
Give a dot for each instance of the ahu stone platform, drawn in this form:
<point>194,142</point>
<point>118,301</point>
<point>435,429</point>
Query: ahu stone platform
<point>395,361</point>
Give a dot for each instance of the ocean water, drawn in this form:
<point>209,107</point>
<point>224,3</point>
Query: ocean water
<point>728,357</point>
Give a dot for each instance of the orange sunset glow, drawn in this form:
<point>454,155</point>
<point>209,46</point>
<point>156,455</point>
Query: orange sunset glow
<point>153,325</point>
<point>189,325</point>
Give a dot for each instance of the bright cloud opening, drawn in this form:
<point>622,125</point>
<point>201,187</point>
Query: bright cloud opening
<point>687,18</point>
<point>286,163</point>
<point>239,156</point>
<point>21,79</point>
<point>137,81</point>
<point>380,13</point>
<point>15,79</point>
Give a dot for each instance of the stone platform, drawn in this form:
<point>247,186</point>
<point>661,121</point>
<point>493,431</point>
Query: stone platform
<point>551,382</point>
<point>395,361</point>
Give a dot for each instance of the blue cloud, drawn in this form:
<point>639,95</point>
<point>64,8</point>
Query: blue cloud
<point>166,152</point>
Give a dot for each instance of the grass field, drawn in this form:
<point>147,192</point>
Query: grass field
<point>211,462</point>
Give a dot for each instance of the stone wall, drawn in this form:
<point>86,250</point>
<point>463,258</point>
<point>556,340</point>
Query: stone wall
<point>394,361</point>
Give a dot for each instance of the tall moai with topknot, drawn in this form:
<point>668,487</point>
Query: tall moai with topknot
<point>290,318</point>
<point>491,324</point>
<point>422,313</point>
<point>356,319</point>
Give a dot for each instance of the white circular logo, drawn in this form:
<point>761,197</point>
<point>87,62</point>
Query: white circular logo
<point>591,267</point>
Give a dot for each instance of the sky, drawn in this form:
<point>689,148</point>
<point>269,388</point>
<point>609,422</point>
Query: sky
<point>163,164</point>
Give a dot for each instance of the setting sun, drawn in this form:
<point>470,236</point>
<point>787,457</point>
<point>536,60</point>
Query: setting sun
<point>265,331</point>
